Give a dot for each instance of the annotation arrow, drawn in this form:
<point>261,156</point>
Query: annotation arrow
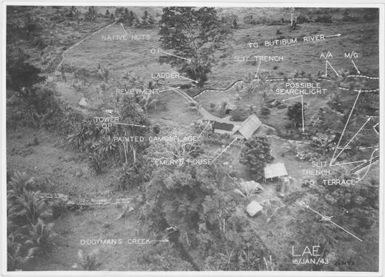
<point>176,56</point>
<point>188,79</point>
<point>347,163</point>
<point>259,65</point>
<point>121,24</point>
<point>128,124</point>
<point>160,240</point>
<point>204,129</point>
<point>326,69</point>
<point>333,159</point>
<point>224,150</point>
<point>351,140</point>
<point>331,36</point>
<point>355,66</point>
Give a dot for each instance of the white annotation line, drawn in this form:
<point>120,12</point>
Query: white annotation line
<point>159,240</point>
<point>176,56</point>
<point>164,90</point>
<point>184,95</point>
<point>333,159</point>
<point>375,130</point>
<point>79,42</point>
<point>361,162</point>
<point>181,76</point>
<point>224,150</point>
<point>328,219</point>
<point>355,66</point>
<point>368,166</point>
<point>331,36</point>
<point>121,24</point>
<point>129,124</point>
<point>204,129</point>
<point>326,69</point>
<point>350,141</point>
<point>259,65</point>
<point>357,166</point>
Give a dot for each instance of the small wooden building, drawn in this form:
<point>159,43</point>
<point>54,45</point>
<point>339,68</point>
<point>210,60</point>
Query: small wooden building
<point>275,170</point>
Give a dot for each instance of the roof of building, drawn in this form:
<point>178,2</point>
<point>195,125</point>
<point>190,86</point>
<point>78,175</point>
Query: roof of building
<point>249,126</point>
<point>254,208</point>
<point>223,126</point>
<point>275,170</point>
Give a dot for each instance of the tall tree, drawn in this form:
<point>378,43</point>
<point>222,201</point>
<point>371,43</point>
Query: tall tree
<point>91,14</point>
<point>132,113</point>
<point>294,113</point>
<point>20,73</point>
<point>147,20</point>
<point>194,34</point>
<point>255,155</point>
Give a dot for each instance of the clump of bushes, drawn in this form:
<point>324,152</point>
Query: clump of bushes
<point>97,142</point>
<point>84,135</point>
<point>30,101</point>
<point>132,176</point>
<point>20,73</point>
<point>302,19</point>
<point>28,234</point>
<point>239,114</point>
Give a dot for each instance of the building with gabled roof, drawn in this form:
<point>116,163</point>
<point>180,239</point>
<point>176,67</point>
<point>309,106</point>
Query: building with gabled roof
<point>275,170</point>
<point>248,127</point>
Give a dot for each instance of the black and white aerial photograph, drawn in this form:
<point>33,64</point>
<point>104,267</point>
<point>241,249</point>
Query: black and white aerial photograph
<point>218,137</point>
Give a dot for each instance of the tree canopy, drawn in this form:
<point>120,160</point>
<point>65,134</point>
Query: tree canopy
<point>294,113</point>
<point>255,155</point>
<point>194,34</point>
